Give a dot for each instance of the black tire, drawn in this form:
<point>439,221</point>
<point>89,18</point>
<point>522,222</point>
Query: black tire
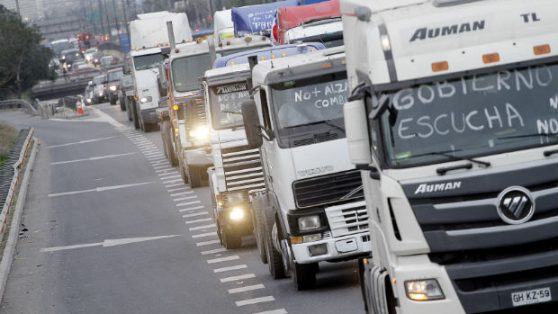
<point>304,276</point>
<point>183,173</point>
<point>258,233</point>
<point>112,101</point>
<point>129,110</point>
<point>122,105</point>
<point>361,274</point>
<point>274,259</point>
<point>169,151</point>
<point>230,240</point>
<point>195,176</point>
<point>135,116</point>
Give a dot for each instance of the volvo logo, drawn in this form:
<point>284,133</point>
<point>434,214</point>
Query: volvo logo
<point>516,205</point>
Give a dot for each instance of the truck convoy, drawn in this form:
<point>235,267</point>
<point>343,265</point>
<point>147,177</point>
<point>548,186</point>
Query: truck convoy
<point>312,209</point>
<point>237,167</point>
<point>149,37</point>
<point>320,22</point>
<point>452,120</point>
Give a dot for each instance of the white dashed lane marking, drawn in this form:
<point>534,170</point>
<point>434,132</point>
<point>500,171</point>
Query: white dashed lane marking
<point>188,203</point>
<point>206,243</point>
<point>229,268</point>
<point>214,251</point>
<point>90,159</point>
<point>254,301</point>
<point>195,215</point>
<point>196,221</point>
<point>189,209</point>
<point>237,278</point>
<point>203,227</point>
<point>279,311</point>
<point>205,235</point>
<point>223,259</point>
<point>246,289</point>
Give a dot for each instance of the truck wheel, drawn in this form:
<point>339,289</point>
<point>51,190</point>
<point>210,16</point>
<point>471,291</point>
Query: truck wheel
<point>260,237</point>
<point>128,109</point>
<point>166,135</point>
<point>362,281</point>
<point>274,259</point>
<point>304,275</point>
<point>183,173</point>
<point>112,101</point>
<point>195,177</point>
<point>135,116</point>
<point>122,105</point>
<point>230,240</point>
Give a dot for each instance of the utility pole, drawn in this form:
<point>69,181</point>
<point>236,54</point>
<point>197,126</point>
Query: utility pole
<point>17,8</point>
<point>125,4</point>
<point>116,17</point>
<point>101,17</point>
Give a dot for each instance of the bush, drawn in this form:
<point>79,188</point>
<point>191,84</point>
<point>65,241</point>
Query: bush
<point>8,136</point>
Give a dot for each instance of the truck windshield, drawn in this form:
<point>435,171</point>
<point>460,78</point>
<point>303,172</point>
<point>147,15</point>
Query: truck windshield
<point>147,61</point>
<point>186,72</point>
<point>472,116</point>
<point>226,101</point>
<point>310,107</point>
<point>115,76</point>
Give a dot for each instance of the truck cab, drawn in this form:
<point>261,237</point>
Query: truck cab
<point>186,130</point>
<point>237,170</point>
<point>313,208</point>
<point>452,119</point>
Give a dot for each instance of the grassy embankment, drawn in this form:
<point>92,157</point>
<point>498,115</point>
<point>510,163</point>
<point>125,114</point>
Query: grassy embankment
<point>8,136</point>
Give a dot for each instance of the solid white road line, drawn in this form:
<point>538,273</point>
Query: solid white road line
<point>205,235</point>
<point>203,227</point>
<point>90,159</point>
<point>255,301</point>
<point>99,189</point>
<point>215,251</point>
<point>185,198</point>
<point>236,278</point>
<point>188,203</point>
<point>206,243</point>
<point>246,289</point>
<point>107,243</point>
<point>190,209</point>
<point>84,142</point>
<point>278,311</point>
<point>230,268</point>
<point>195,215</point>
<point>223,259</point>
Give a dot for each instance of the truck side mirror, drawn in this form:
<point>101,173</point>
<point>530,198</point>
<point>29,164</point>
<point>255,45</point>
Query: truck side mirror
<point>356,125</point>
<point>252,124</point>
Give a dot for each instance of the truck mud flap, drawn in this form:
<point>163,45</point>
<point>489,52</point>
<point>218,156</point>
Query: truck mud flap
<point>378,296</point>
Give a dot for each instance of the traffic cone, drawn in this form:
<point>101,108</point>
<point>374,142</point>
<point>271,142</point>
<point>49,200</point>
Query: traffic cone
<point>79,109</point>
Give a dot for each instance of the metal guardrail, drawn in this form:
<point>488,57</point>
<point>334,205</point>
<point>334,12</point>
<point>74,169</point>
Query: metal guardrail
<point>11,173</point>
<point>18,104</point>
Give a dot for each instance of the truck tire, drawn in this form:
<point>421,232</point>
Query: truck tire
<point>304,275</point>
<point>135,116</point>
<point>259,234</point>
<point>274,259</point>
<point>183,173</point>
<point>169,151</point>
<point>229,239</point>
<point>195,177</point>
<point>128,109</point>
<point>122,105</point>
<point>112,101</point>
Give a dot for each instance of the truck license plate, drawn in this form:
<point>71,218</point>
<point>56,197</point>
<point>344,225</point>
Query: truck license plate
<point>531,297</point>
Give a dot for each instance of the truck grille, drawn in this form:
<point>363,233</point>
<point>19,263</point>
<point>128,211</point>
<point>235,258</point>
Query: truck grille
<point>243,168</point>
<point>334,188</point>
<point>347,219</point>
<point>195,113</point>
<point>484,256</point>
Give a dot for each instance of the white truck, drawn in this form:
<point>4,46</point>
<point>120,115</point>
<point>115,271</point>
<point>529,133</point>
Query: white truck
<point>237,170</point>
<point>184,127</point>
<point>313,208</point>
<point>149,37</point>
<point>453,120</point>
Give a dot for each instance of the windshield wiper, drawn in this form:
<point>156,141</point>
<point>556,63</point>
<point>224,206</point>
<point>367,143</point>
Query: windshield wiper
<point>485,164</point>
<point>327,122</point>
<point>529,135</point>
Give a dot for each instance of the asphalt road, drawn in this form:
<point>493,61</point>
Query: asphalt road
<point>110,228</point>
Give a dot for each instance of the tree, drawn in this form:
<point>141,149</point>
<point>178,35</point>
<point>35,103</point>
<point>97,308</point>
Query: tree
<point>23,61</point>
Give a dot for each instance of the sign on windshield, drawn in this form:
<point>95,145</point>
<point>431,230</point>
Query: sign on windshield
<point>309,101</point>
<point>474,115</point>
<point>226,104</point>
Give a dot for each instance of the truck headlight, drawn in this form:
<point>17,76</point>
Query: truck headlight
<point>200,133</point>
<point>237,214</point>
<point>147,99</point>
<point>113,88</point>
<point>309,223</point>
<point>424,290</point>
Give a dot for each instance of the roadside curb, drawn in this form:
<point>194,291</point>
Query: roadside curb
<point>10,248</point>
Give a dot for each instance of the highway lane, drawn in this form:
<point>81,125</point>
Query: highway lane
<point>112,229</point>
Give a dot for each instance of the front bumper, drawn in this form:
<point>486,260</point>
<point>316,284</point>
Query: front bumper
<point>342,248</point>
<point>199,157</point>
<point>150,116</point>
